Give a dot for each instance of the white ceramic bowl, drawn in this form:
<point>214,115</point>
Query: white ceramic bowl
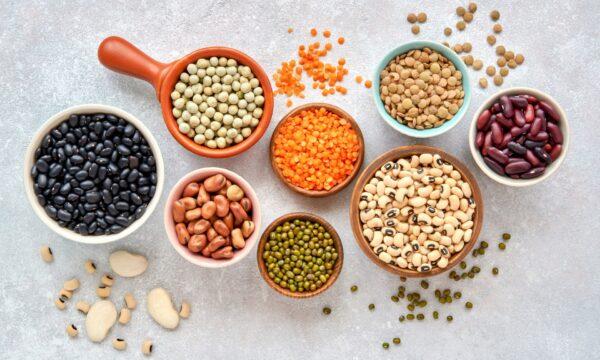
<point>56,120</point>
<point>550,169</point>
<point>175,194</point>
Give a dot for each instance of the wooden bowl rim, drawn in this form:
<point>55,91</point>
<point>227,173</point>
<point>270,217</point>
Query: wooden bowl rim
<point>302,216</point>
<point>401,152</point>
<point>358,164</point>
<point>170,79</point>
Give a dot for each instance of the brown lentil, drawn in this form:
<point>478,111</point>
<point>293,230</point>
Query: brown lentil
<point>461,25</point>
<point>491,39</point>
<point>411,18</point>
<point>497,28</point>
<point>447,31</point>
<point>467,47</point>
<point>415,29</point>
<point>472,7</point>
<point>500,50</point>
<point>490,70</point>
<point>519,58</point>
<point>422,17</point>
<point>501,62</point>
<point>498,80</point>
<point>468,17</point>
<point>468,60</point>
<point>460,11</point>
<point>457,48</point>
<point>477,65</point>
<point>495,15</point>
<point>504,71</point>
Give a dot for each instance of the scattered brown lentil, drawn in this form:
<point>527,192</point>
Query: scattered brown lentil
<point>495,15</point>
<point>509,55</point>
<point>498,80</point>
<point>504,71</point>
<point>461,25</point>
<point>467,47</point>
<point>447,31</point>
<point>422,17</point>
<point>460,11</point>
<point>491,39</point>
<point>468,17</point>
<point>501,62</point>
<point>500,50</point>
<point>411,18</point>
<point>468,60</point>
<point>519,58</point>
<point>497,28</point>
<point>490,70</point>
<point>458,48</point>
<point>415,29</point>
<point>472,7</point>
<point>477,64</point>
<point>512,63</point>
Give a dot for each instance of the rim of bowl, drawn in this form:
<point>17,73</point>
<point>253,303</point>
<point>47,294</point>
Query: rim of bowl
<point>396,153</point>
<point>56,119</point>
<point>303,216</point>
<point>450,55</point>
<point>172,77</point>
<point>551,169</point>
<point>357,166</point>
<point>175,193</point>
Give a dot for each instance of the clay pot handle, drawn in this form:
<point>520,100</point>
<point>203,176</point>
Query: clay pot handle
<point>123,57</point>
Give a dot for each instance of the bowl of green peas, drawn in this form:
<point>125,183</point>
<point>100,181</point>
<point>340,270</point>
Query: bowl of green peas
<point>300,255</point>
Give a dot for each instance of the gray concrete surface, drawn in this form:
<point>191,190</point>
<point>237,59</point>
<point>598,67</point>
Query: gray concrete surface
<point>544,303</point>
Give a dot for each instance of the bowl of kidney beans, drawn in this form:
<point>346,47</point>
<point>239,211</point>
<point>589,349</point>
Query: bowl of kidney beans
<point>519,136</point>
<point>93,173</point>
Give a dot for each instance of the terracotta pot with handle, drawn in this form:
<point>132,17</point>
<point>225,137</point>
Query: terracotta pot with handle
<point>123,57</point>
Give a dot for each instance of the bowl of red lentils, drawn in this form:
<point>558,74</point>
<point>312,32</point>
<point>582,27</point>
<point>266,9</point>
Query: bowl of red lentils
<point>317,149</point>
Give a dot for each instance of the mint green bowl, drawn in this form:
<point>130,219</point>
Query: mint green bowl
<point>450,55</point>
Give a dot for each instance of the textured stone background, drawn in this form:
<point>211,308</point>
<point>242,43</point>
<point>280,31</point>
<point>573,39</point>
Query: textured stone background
<point>543,305</point>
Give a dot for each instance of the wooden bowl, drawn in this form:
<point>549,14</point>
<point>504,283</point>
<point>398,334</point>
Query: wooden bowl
<point>342,114</point>
<point>302,216</point>
<point>121,56</point>
<point>402,152</point>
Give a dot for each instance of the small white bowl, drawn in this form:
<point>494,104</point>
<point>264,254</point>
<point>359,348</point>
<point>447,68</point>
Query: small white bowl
<point>29,161</point>
<point>563,124</point>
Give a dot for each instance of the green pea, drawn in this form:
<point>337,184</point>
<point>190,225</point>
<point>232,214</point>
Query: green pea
<point>326,310</point>
<point>371,307</point>
<point>353,288</point>
<point>396,341</point>
<point>469,305</point>
<point>502,246</point>
<point>495,271</point>
<point>385,345</point>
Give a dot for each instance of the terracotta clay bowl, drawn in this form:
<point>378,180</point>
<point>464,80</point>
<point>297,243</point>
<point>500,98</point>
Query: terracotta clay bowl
<point>302,216</point>
<point>121,56</point>
<point>337,188</point>
<point>395,154</point>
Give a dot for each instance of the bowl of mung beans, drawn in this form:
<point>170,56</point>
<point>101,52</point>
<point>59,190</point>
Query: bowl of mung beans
<point>421,89</point>
<point>416,211</point>
<point>216,101</point>
<point>300,255</point>
<point>317,149</point>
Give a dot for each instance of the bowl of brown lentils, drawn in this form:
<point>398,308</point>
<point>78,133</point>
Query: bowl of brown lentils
<point>422,89</point>
<point>300,255</point>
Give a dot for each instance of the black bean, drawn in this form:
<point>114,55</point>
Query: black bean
<point>72,197</point>
<point>122,206</point>
<point>123,150</point>
<point>59,200</point>
<point>87,184</point>
<point>112,210</point>
<point>41,199</point>
<point>136,199</point>
<point>516,148</point>
<point>123,162</point>
<point>41,165</point>
<point>133,176</point>
<point>89,217</point>
<point>92,197</point>
<point>64,215</point>
<point>121,220</point>
<point>42,181</point>
<point>81,175</point>
<point>145,168</point>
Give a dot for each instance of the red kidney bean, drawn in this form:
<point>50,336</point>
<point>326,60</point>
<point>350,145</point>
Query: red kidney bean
<point>516,130</point>
<point>514,159</point>
<point>505,140</point>
<point>497,134</point>
<point>498,155</point>
<point>519,102</point>
<point>517,167</point>
<point>555,152</point>
<point>507,107</point>
<point>529,113</point>
<point>549,110</point>
<point>487,142</point>
<point>542,155</point>
<point>531,158</point>
<point>483,120</point>
<point>541,136</point>
<point>494,165</point>
<point>507,123</point>
<point>530,144</point>
<point>496,108</point>
<point>516,148</point>
<point>536,126</point>
<point>519,118</point>
<point>555,133</point>
<point>479,139</point>
<point>530,98</point>
<point>535,172</point>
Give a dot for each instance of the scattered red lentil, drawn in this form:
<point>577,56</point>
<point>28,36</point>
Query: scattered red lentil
<point>327,33</point>
<point>316,149</point>
<point>368,84</point>
<point>359,79</point>
<point>290,30</point>
<point>288,103</point>
<point>313,32</point>
<point>341,40</point>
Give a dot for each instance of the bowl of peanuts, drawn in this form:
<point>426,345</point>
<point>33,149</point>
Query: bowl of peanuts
<point>212,217</point>
<point>422,89</point>
<point>416,211</point>
<point>317,149</point>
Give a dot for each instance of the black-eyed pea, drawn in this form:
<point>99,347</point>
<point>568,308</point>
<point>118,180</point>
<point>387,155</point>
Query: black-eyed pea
<point>46,254</point>
<point>103,291</point>
<point>467,236</point>
<point>72,330</point>
<point>90,267</point>
<point>60,303</point>
<point>130,301</point>
<point>107,280</point>
<point>124,316</point>
<point>119,344</point>
<point>71,285</point>
<point>65,294</point>
<point>458,247</point>
<point>442,263</point>
<point>385,257</point>
<point>184,310</point>
<point>83,307</point>
<point>147,347</point>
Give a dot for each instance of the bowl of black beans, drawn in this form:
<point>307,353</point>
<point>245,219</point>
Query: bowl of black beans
<point>93,173</point>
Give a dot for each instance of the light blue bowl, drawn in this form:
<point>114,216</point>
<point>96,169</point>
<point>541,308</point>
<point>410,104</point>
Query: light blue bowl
<point>450,55</point>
